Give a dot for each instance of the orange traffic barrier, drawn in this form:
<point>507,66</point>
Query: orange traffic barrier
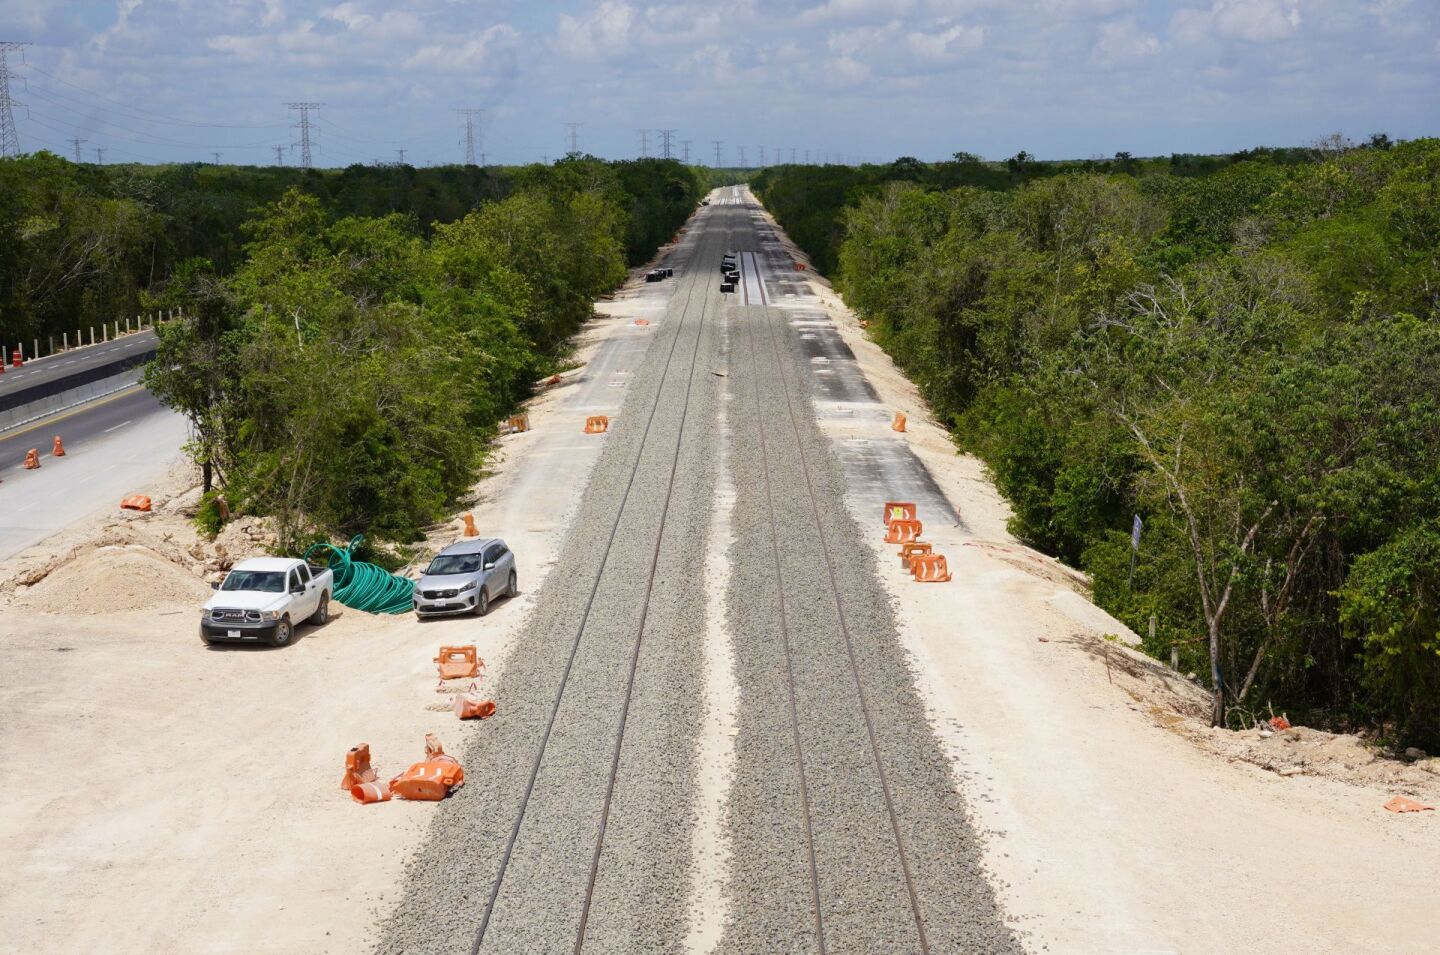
<point>470,530</point>
<point>32,459</point>
<point>459,663</point>
<point>930,568</point>
<point>357,767</point>
<point>899,511</point>
<point>642,321</point>
<point>899,423</point>
<point>597,424</point>
<point>1403,804</point>
<point>135,502</point>
<point>902,532</point>
<point>520,423</point>
<point>58,451</point>
<point>16,359</point>
<point>370,792</point>
<point>911,550</point>
<point>469,705</point>
<point>431,779</point>
<point>799,266</point>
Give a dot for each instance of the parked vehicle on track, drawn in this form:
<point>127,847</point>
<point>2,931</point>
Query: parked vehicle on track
<point>263,599</point>
<point>465,577</point>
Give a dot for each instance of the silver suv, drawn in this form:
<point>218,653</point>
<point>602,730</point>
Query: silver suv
<point>465,577</point>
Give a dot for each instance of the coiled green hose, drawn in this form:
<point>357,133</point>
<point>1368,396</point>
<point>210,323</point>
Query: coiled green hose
<point>362,586</point>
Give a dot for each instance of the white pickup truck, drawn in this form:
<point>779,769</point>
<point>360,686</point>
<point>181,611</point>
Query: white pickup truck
<point>264,598</point>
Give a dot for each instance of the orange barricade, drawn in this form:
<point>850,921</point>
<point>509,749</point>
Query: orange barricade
<point>459,663</point>
<point>469,706</point>
<point>912,550</point>
<point>470,530</point>
<point>902,532</point>
<point>58,450</point>
<point>357,767</point>
<point>430,780</point>
<point>899,511</point>
<point>642,322</point>
<point>597,424</point>
<point>899,423</point>
<point>799,266</point>
<point>16,360</point>
<point>520,423</point>
<point>32,459</point>
<point>930,568</point>
<point>370,792</point>
<point>135,502</point>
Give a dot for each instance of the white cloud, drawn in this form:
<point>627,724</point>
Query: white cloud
<point>603,32</point>
<point>1256,21</point>
<point>1122,41</point>
<point>948,44</point>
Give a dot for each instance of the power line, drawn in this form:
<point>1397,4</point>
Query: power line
<point>100,155</point>
<point>9,136</point>
<point>217,158</point>
<point>665,141</point>
<point>280,155</point>
<point>158,117</point>
<point>76,141</point>
<point>401,153</point>
<point>762,157</point>
<point>686,144</point>
<point>304,127</point>
<point>572,131</point>
<point>718,143</point>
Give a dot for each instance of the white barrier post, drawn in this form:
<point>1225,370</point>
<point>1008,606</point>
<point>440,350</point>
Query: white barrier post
<point>92,334</point>
<point>64,341</point>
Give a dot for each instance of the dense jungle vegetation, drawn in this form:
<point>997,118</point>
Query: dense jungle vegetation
<point>353,337</point>
<point>1244,351</point>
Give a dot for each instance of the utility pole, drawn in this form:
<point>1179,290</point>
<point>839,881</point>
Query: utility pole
<point>718,143</point>
<point>686,144</point>
<point>279,155</point>
<point>572,136</point>
<point>666,140</point>
<point>762,157</point>
<point>217,158</point>
<point>9,136</point>
<point>304,127</point>
<point>742,158</point>
<point>76,140</point>
<point>469,115</point>
<point>644,142</point>
<point>99,155</point>
<point>401,154</point>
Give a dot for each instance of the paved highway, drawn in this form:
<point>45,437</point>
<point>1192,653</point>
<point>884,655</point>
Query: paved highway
<point>74,363</point>
<point>118,445</point>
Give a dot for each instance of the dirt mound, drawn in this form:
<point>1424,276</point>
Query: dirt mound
<point>115,579</point>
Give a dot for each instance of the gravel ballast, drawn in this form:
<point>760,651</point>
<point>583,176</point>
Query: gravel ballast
<point>644,871</point>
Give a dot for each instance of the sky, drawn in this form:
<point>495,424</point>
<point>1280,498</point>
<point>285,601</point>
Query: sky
<point>851,80</point>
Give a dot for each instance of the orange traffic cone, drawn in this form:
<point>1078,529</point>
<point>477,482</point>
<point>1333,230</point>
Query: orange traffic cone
<point>59,450</point>
<point>899,423</point>
<point>470,530</point>
<point>32,459</point>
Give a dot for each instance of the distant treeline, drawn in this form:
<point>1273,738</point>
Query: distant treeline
<point>1243,351</point>
<point>350,345</point>
<point>80,244</point>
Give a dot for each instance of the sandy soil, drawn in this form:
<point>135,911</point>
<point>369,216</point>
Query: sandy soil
<point>1118,820</point>
<point>166,797</point>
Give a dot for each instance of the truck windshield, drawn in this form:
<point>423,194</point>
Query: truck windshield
<point>264,581</point>
<point>454,564</point>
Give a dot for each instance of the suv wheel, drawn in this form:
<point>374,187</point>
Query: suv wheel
<point>284,630</point>
<point>321,616</point>
<point>513,588</point>
<point>482,603</point>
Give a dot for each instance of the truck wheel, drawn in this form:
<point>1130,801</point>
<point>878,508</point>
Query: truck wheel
<point>321,616</point>
<point>283,632</point>
<point>513,590</point>
<point>482,603</point>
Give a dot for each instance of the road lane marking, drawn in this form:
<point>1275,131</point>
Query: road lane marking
<point>117,427</point>
<point>48,422</point>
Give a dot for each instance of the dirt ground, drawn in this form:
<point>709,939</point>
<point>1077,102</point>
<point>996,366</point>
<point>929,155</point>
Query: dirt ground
<point>1117,819</point>
<point>162,796</point>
